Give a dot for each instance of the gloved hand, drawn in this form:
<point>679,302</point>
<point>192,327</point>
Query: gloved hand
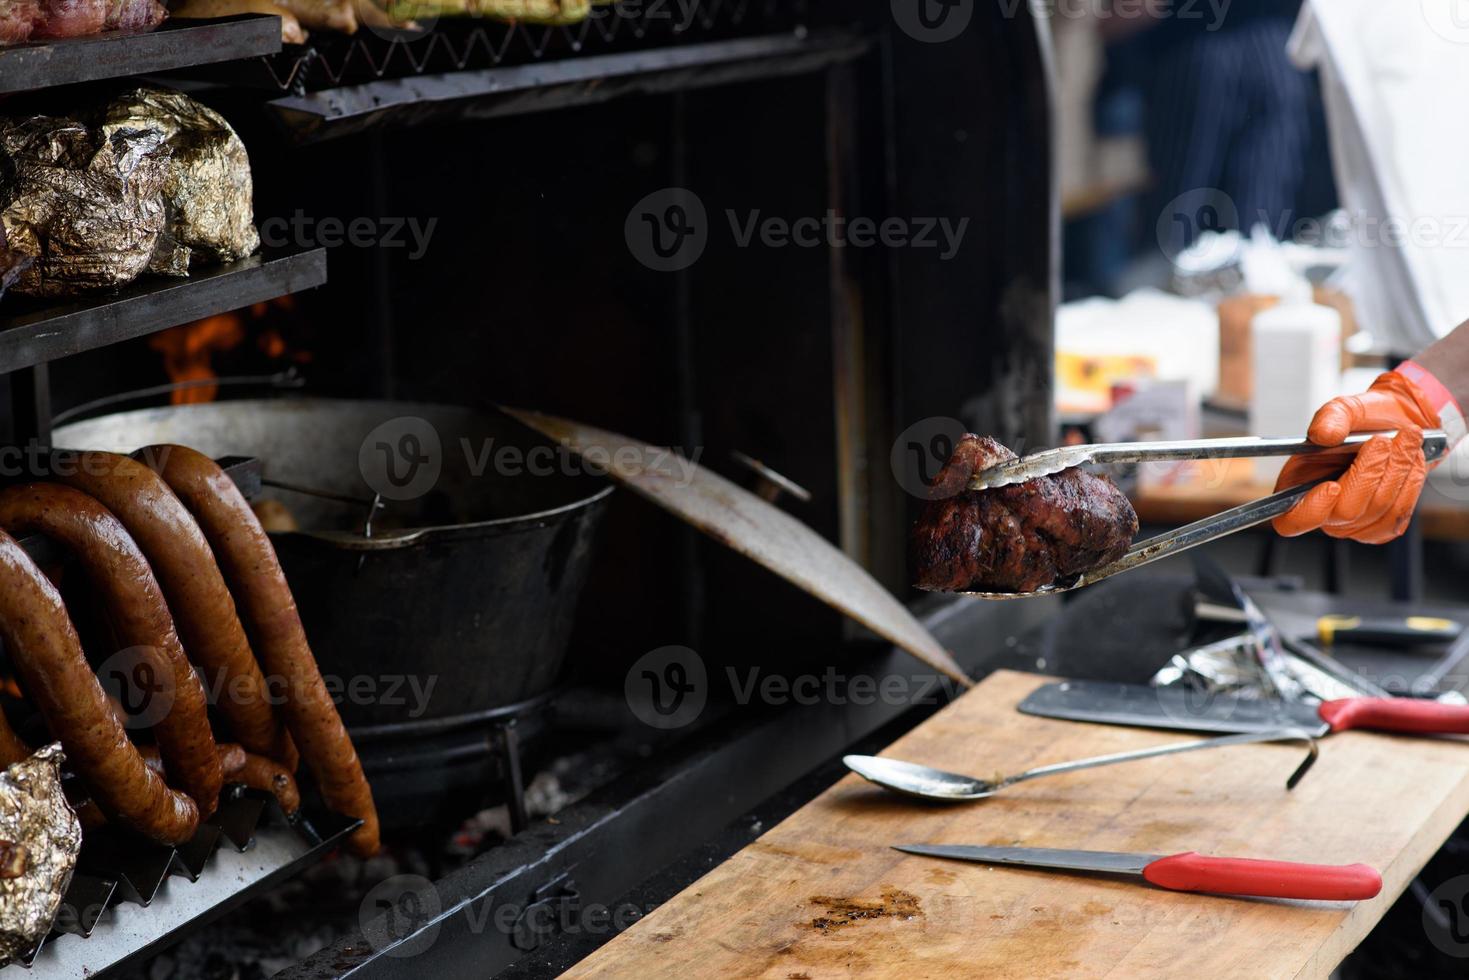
<point>1373,501</point>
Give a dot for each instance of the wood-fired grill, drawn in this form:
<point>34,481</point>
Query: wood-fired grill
<point>811,361</point>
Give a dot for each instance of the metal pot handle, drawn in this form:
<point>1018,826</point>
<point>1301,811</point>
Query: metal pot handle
<point>288,379</point>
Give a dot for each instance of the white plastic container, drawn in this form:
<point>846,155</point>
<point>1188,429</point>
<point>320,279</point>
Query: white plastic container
<point>1297,365</point>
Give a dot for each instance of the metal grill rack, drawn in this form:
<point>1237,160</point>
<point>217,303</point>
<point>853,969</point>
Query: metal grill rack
<point>463,44</point>
<point>177,44</point>
<point>247,846</point>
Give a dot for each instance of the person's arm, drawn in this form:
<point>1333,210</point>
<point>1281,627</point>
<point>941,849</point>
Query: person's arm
<point>1448,361</point>
<point>1374,499</point>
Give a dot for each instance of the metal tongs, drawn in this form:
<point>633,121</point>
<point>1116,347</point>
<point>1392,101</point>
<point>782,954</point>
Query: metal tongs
<point>1435,445</point>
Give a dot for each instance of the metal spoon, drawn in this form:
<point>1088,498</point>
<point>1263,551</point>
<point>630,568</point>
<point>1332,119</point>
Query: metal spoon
<point>911,779</point>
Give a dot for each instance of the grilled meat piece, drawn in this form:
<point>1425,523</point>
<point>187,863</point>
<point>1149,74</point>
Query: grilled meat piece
<point>135,15</point>
<point>17,20</point>
<point>291,30</point>
<point>1016,538</point>
<point>72,18</point>
<point>22,20</point>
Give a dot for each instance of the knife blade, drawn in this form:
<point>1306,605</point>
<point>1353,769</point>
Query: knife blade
<point>1186,872</point>
<point>1189,710</point>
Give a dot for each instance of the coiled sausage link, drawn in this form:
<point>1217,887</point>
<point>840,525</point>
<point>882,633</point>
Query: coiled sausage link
<point>203,611</point>
<point>254,771</point>
<point>47,655</point>
<point>134,604</point>
<point>250,565</point>
<point>258,772</point>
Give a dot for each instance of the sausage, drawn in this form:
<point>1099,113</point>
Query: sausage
<point>231,758</point>
<point>123,582</point>
<point>249,562</point>
<point>261,773</point>
<point>254,771</point>
<point>203,611</point>
<point>47,655</point>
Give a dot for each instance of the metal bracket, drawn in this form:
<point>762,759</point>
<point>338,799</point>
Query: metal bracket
<point>552,905</point>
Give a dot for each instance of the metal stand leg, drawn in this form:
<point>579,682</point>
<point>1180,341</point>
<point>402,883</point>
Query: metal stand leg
<point>30,406</point>
<point>1269,555</point>
<point>1338,565</point>
<point>1405,563</point>
<point>509,740</point>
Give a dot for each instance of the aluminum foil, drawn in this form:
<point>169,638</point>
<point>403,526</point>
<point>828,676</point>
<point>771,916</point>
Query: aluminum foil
<point>207,187</point>
<point>88,211</point>
<point>147,181</point>
<point>12,263</point>
<point>39,840</point>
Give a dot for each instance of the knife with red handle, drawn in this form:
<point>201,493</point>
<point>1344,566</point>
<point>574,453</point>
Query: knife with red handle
<point>1187,872</point>
<point>1174,707</point>
<point>1404,715</point>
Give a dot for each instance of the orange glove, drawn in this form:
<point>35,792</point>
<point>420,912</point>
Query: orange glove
<point>1374,500</point>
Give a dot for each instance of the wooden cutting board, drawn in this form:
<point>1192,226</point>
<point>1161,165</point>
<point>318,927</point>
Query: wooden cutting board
<point>821,894</point>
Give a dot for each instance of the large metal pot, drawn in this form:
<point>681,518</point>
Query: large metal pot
<point>468,583</point>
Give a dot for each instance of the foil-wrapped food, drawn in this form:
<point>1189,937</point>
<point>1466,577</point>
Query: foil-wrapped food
<point>12,263</point>
<point>150,181</point>
<point>39,840</point>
